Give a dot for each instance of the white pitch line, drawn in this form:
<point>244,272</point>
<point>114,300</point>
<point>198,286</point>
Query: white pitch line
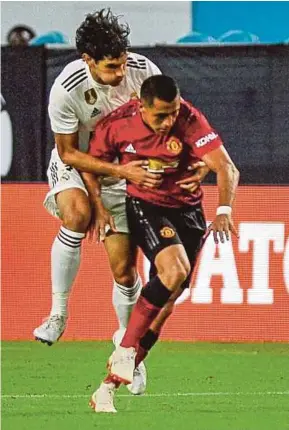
<point>11,348</point>
<point>79,396</point>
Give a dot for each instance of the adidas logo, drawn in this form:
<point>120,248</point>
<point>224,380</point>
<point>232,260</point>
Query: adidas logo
<point>130,149</point>
<point>95,112</point>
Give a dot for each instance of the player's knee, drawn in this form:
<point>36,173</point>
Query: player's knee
<point>77,219</point>
<point>124,274</point>
<point>176,274</point>
<point>186,269</point>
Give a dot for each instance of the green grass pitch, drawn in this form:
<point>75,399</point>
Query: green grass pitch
<point>199,386</point>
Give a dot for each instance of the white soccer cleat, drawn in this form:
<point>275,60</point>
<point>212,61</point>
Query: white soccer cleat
<point>138,385</point>
<point>121,364</point>
<point>102,399</point>
<point>117,336</point>
<point>51,330</point>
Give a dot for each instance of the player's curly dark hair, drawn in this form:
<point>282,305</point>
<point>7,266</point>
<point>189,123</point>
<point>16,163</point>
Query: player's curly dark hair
<point>101,35</point>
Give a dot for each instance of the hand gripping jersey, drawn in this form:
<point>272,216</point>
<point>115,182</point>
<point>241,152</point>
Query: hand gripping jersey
<point>123,134</point>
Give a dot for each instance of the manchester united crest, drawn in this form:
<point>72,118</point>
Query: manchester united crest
<point>90,96</point>
<point>174,145</point>
<point>167,232</point>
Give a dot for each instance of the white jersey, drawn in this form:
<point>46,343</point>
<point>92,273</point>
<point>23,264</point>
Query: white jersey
<point>77,102</point>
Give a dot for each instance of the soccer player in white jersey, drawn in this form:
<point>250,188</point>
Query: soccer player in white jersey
<point>86,90</point>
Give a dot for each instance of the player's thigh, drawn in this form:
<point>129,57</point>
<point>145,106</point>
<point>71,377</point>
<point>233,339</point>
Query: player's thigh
<point>172,260</point>
<point>113,198</point>
<point>191,225</point>
<point>67,198</point>
<point>122,255</point>
<point>156,235</point>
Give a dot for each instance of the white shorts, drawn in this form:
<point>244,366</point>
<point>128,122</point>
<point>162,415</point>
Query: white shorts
<point>62,177</point>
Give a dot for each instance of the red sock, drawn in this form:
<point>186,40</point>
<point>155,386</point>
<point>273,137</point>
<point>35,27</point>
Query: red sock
<point>141,318</point>
<point>140,355</point>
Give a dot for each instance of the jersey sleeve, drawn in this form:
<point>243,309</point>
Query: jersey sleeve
<point>141,68</point>
<point>201,136</point>
<point>101,145</point>
<point>62,115</point>
<point>152,69</point>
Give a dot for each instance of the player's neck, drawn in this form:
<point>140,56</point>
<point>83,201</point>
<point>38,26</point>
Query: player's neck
<point>97,79</point>
<point>145,123</point>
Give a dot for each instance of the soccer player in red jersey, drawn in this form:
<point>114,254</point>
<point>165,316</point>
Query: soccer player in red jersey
<point>167,223</point>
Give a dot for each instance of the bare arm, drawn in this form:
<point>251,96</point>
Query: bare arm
<point>220,162</point>
<point>67,145</point>
<point>101,217</point>
<point>92,185</point>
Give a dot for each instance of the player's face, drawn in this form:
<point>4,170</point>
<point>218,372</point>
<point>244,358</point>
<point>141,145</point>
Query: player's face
<point>161,116</point>
<point>109,71</point>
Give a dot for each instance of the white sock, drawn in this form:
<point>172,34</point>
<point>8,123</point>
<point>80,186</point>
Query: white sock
<point>65,261</point>
<point>123,300</point>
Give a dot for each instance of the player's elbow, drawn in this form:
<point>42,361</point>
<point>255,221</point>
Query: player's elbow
<point>66,146</point>
<point>67,156</point>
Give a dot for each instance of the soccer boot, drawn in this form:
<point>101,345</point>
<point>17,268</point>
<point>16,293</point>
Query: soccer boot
<point>138,385</point>
<point>121,364</point>
<point>102,399</point>
<point>117,336</point>
<point>51,330</point>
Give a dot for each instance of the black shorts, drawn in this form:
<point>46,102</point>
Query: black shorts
<point>154,228</point>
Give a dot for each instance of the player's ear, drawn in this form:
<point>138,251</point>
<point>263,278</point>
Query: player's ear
<point>141,107</point>
<point>87,58</point>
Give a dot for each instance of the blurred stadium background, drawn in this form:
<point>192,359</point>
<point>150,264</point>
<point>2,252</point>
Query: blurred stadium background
<point>231,60</point>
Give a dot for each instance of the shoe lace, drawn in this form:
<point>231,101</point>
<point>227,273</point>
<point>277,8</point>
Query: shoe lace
<point>128,357</point>
<point>136,371</point>
<point>55,322</point>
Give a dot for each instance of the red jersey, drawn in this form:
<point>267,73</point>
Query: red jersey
<point>124,135</point>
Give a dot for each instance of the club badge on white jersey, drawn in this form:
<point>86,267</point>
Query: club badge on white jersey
<point>77,102</point>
